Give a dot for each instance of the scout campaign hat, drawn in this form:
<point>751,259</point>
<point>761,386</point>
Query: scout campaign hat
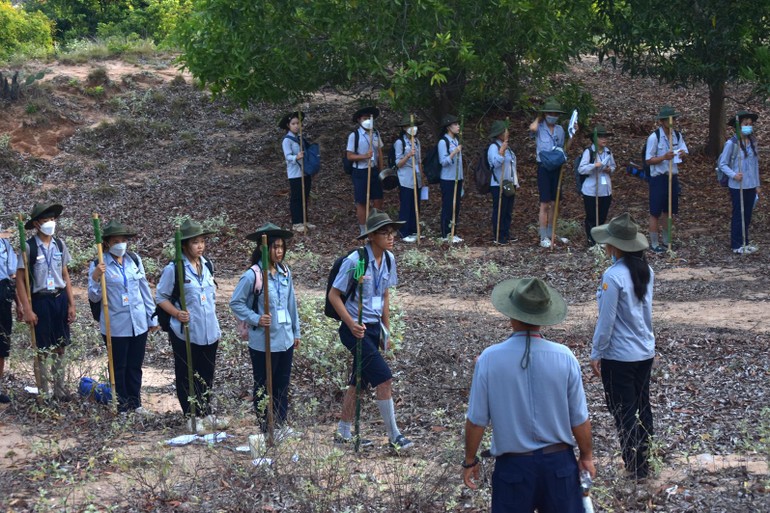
<point>621,232</point>
<point>41,211</point>
<point>284,123</point>
<point>114,228</point>
<point>741,115</point>
<point>667,112</point>
<point>272,231</point>
<point>377,220</point>
<point>600,132</point>
<point>406,120</point>
<point>448,120</point>
<point>551,105</point>
<point>366,111</point>
<point>529,300</point>
<point>497,128</point>
<point>191,229</point>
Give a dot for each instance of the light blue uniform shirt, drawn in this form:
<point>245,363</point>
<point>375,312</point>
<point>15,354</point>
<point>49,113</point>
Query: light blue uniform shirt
<point>8,260</point>
<point>200,293</point>
<point>545,141</point>
<point>290,151</point>
<point>529,408</point>
<point>403,146</point>
<point>281,293</point>
<point>587,167</point>
<point>129,280</point>
<point>363,147</point>
<point>661,148</point>
<point>50,262</point>
<point>450,165</point>
<point>376,281</point>
<point>497,163</point>
<point>624,328</point>
<point>730,162</point>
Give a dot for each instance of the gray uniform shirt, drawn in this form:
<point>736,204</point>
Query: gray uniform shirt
<point>734,159</point>
<point>376,281</point>
<point>588,167</point>
<point>403,146</point>
<point>450,166</point>
<point>661,148</point>
<point>363,147</point>
<point>50,263</point>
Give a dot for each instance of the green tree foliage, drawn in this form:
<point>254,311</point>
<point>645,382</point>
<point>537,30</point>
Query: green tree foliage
<point>686,42</point>
<point>421,53</point>
<point>20,31</point>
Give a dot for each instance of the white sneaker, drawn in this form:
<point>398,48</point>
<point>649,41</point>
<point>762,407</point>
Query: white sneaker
<point>751,248</point>
<point>740,251</point>
<point>311,226</point>
<point>142,411</point>
<point>563,240</point>
<point>409,238</point>
<point>456,239</point>
<point>545,243</point>
<point>299,228</point>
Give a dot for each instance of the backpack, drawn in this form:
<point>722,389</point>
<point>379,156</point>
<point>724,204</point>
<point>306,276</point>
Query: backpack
<point>329,310</point>
<point>645,175</point>
<point>392,162</point>
<point>242,327</point>
<point>96,306</point>
<point>580,179</point>
<point>33,257</point>
<point>312,155</point>
<point>482,172</point>
<point>722,178</point>
<point>431,165</point>
<point>164,319</point>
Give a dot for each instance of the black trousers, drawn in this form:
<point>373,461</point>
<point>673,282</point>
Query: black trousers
<point>280,362</point>
<point>589,202</point>
<point>295,198</point>
<point>447,190</point>
<point>627,393</point>
<point>406,210</point>
<point>204,359</point>
<point>128,357</point>
<point>506,211</point>
<point>736,227</point>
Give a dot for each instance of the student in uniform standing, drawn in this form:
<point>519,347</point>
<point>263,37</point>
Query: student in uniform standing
<point>51,309</point>
<point>740,162</point>
<point>130,307</point>
<point>293,155</point>
<point>596,166</point>
<point>380,276</point>
<point>201,318</point>
<point>8,294</point>
<point>362,155</point>
<point>282,320</point>
<point>502,163</point>
<point>405,156</point>
<point>451,158</point>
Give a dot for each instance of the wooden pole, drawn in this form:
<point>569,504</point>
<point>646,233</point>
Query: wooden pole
<point>670,180</point>
<point>32,337</point>
<point>192,398</point>
<point>739,136</point>
<point>105,310</point>
<point>302,169</point>
<point>457,178</point>
<point>369,172</point>
<point>500,185</point>
<point>558,195</point>
<point>414,183</point>
<point>268,355</point>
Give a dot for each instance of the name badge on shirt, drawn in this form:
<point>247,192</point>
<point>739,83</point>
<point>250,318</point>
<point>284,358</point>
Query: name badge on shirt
<point>377,304</point>
<point>603,181</point>
<point>204,300</point>
<point>283,316</point>
<point>49,283</point>
<point>124,298</point>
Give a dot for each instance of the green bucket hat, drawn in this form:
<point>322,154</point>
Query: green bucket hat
<point>114,228</point>
<point>376,220</point>
<point>529,300</point>
<point>497,128</point>
<point>41,211</point>
<point>551,105</point>
<point>284,123</point>
<point>191,229</point>
<point>272,231</point>
<point>741,115</point>
<point>667,112</point>
<point>448,120</point>
<point>621,232</point>
<point>406,120</point>
<point>600,132</point>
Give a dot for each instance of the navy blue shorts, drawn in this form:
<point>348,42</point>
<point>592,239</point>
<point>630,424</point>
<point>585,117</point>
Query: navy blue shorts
<point>374,370</point>
<point>6,317</point>
<point>359,185</point>
<point>52,329</point>
<point>547,183</point>
<point>659,195</point>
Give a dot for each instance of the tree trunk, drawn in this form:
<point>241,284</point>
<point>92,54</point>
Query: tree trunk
<point>716,135</point>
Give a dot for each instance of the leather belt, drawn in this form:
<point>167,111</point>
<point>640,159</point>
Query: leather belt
<point>48,293</point>
<point>548,449</point>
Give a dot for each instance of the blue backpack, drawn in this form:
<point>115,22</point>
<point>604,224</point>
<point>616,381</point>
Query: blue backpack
<point>312,156</point>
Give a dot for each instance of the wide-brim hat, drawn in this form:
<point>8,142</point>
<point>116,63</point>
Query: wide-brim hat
<point>621,232</point>
<point>667,112</point>
<point>448,120</point>
<point>272,231</point>
<point>115,228</point>
<point>741,115</point>
<point>406,120</point>
<point>529,300</point>
<point>376,220</point>
<point>43,210</point>
<point>284,123</point>
<point>191,229</point>
<point>497,128</point>
<point>551,105</point>
<point>600,132</point>
<point>366,111</point>
<point>389,178</point>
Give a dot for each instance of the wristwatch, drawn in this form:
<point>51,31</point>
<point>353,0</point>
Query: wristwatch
<point>470,465</point>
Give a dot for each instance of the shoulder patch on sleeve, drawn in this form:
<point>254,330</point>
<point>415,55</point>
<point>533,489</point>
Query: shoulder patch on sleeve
<point>604,286</point>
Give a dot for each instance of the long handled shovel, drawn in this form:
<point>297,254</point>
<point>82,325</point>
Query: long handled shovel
<point>670,181</point>
<point>740,161</point>
<point>500,185</point>
<point>191,397</point>
<point>598,175</point>
<point>302,169</point>
<point>25,259</point>
<point>558,186</point>
<point>457,178</point>
<point>414,184</point>
<point>268,355</point>
<point>105,309</point>
<point>358,275</point>
<point>369,171</point>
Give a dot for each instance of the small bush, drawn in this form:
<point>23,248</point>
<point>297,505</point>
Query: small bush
<point>98,76</point>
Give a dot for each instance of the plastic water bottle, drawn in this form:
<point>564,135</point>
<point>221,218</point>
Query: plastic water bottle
<point>585,486</point>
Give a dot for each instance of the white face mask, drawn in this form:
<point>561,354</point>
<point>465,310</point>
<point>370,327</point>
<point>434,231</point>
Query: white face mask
<point>367,124</point>
<point>412,130</point>
<point>119,249</point>
<point>48,228</point>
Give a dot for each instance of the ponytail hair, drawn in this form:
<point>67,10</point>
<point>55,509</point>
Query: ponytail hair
<point>637,265</point>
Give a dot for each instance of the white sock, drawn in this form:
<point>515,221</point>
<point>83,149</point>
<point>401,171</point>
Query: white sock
<point>388,412</point>
<point>343,428</point>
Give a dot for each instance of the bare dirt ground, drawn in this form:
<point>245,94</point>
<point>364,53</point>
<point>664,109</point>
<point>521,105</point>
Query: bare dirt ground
<point>151,147</point>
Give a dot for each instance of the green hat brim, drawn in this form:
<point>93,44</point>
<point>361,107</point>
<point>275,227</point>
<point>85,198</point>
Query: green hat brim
<point>382,224</point>
<point>271,230</point>
<point>556,312</point>
<point>602,235</point>
<point>39,211</point>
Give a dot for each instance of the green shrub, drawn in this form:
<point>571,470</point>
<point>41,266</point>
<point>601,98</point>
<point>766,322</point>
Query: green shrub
<point>22,31</point>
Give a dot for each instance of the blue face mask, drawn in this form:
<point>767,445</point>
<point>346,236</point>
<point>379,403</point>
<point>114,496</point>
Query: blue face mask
<point>747,129</point>
<point>551,120</point>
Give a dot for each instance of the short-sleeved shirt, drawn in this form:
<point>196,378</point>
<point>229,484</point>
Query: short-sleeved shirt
<point>735,159</point>
<point>200,294</point>
<point>377,280</point>
<point>658,145</point>
<point>500,164</point>
<point>363,147</point>
<point>290,146</point>
<point>451,167</point>
<point>50,263</point>
<point>587,166</point>
<point>533,407</point>
<point>8,260</point>
<point>403,145</point>
<point>545,140</point>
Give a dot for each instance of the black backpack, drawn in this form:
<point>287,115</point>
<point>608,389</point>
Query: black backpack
<point>33,257</point>
<point>347,165</point>
<point>645,165</point>
<point>164,319</point>
<point>329,310</point>
<point>580,179</point>
<point>482,172</point>
<point>96,306</point>
<point>392,162</point>
<point>431,165</point>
